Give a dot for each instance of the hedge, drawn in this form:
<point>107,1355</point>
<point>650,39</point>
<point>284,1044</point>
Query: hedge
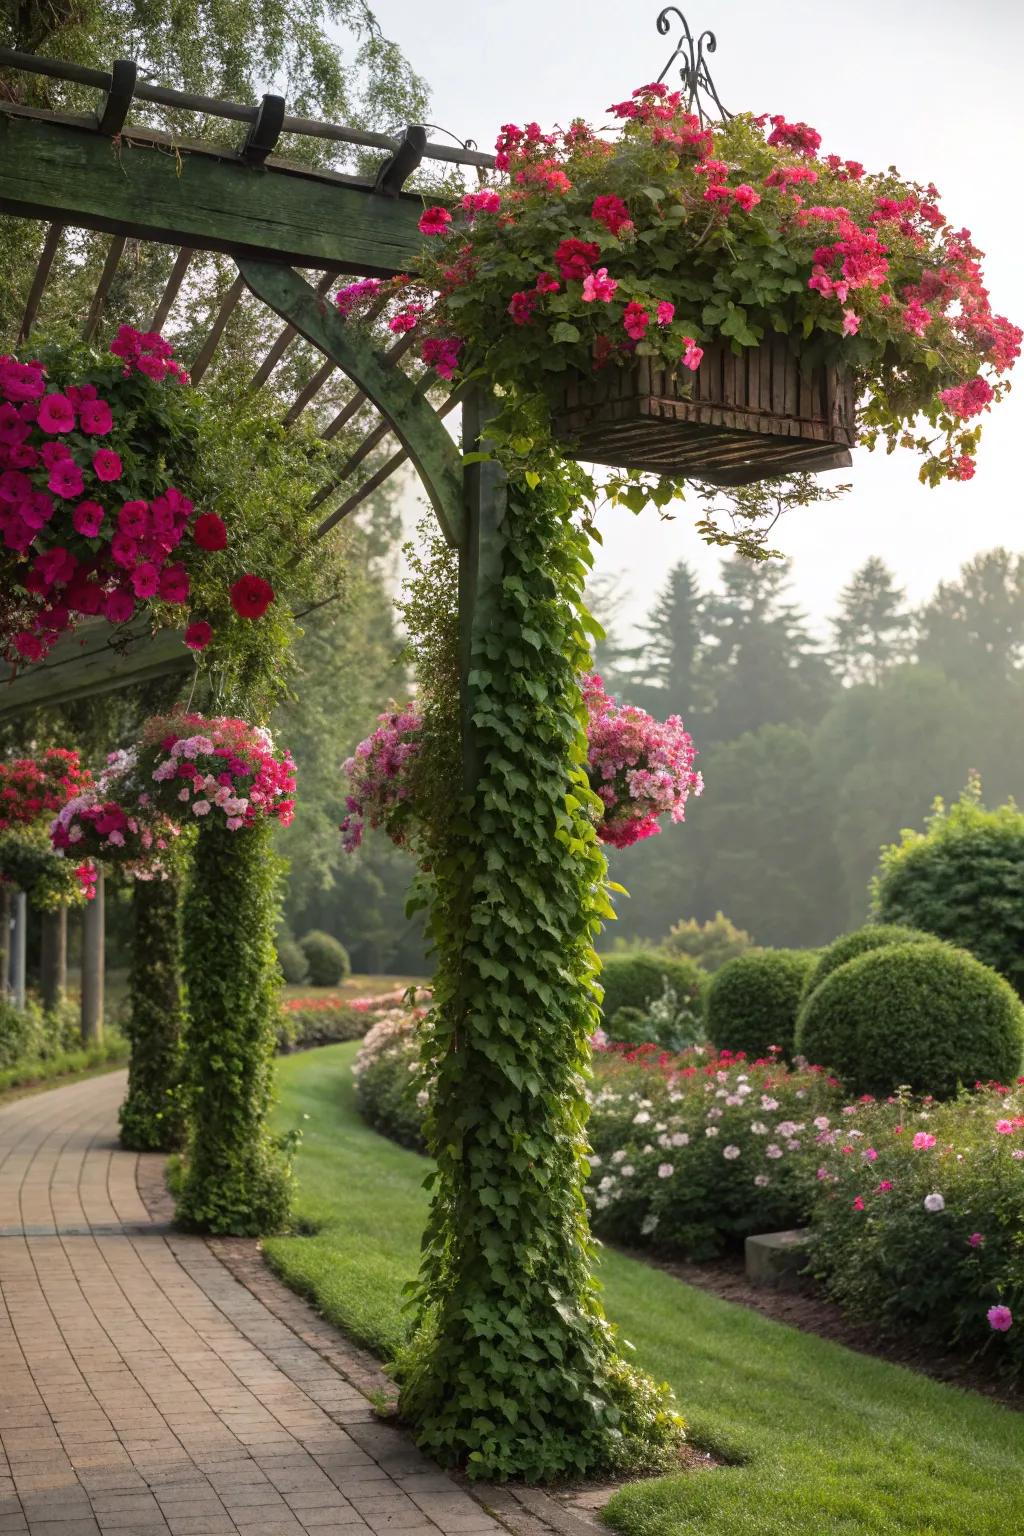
<point>752,1002</point>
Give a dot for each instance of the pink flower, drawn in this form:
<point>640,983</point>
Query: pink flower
<point>106,464</point>
<point>636,320</point>
<point>746,197</point>
<point>521,306</point>
<point>87,518</point>
<point>612,212</point>
<point>118,607</point>
<point>66,479</point>
<point>598,286</point>
<point>434,221</point>
<point>348,297</point>
<point>966,400</point>
<point>95,417</point>
<point>964,468</point>
<point>923,1141</point>
<point>1000,1319</point>
<point>975,1240</point>
<point>575,258</point>
<point>870,1154</point>
<point>406,320</point>
<point>133,519</point>
<point>481,202</point>
<point>198,635</point>
<point>56,414</point>
<point>145,580</point>
<point>442,354</point>
<point>858,1204</point>
<point>1005,1127</point>
<point>174,585</point>
<point>665,312</point>
<point>692,354</point>
<point>851,322</point>
<point>884,1187</point>
<point>546,283</point>
<point>916,318</point>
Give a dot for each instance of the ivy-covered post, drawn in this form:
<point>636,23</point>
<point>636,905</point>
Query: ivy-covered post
<point>53,957</point>
<point>514,1371</point>
<point>235,1178</point>
<point>151,1115</point>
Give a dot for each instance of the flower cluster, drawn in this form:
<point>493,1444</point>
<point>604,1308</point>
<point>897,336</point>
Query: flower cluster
<point>379,792</point>
<point>32,786</point>
<point>919,1217</point>
<point>639,767</point>
<point>220,768</point>
<point>116,821</point>
<point>89,526</point>
<point>593,251</point>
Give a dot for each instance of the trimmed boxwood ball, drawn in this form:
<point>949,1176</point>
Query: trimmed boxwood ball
<point>293,963</point>
<point>849,945</point>
<point>752,1002</point>
<point>922,1014</point>
<point>635,978</point>
<point>327,960</point>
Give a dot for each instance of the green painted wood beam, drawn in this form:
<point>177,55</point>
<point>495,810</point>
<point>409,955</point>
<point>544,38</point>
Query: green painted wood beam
<point>147,187</point>
<point>94,659</point>
<point>394,394</point>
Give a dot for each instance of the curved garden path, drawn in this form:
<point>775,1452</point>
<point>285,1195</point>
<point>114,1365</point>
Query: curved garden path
<point>144,1388</point>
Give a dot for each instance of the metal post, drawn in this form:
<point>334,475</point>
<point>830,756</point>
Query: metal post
<point>53,958</point>
<point>18,932</point>
<point>93,958</point>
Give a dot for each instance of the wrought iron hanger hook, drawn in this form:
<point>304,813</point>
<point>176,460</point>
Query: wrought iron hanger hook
<point>693,71</point>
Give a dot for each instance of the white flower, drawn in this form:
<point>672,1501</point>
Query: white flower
<point>600,1202</point>
<point>594,1160</point>
<point>664,1142</point>
<point>772,1150</point>
<point>665,1170</point>
<point>648,1150</point>
<point>618,1157</point>
<point>599,1039</point>
<point>793,1144</point>
<point>606,1183</point>
<point>743,1087</point>
<point>732,1153</point>
<point>768,1103</point>
<point>934,1203</point>
<point>648,1225</point>
<point>786,1128</point>
<point>680,1139</point>
<point>641,1118</point>
<point>734,1100</point>
<point>627,1170</point>
<point>758,1128</point>
<point>714,1114</point>
<point>712,1130</point>
<point>762,1181</point>
<point>200,807</point>
<point>821,1123</point>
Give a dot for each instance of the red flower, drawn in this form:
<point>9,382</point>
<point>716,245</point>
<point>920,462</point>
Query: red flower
<point>251,596</point>
<point>107,464</point>
<point>209,532</point>
<point>434,221</point>
<point>575,258</point>
<point>198,635</point>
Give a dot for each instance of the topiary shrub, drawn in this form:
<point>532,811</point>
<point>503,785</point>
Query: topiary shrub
<point>327,960</point>
<point>962,880</point>
<point>921,1014</point>
<point>752,1002</point>
<point>152,1116</point>
<point>292,960</point>
<point>636,978</point>
<point>711,944</point>
<point>21,1033</point>
<point>849,945</point>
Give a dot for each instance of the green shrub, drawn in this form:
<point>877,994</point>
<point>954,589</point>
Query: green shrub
<point>752,1002</point>
<point>390,1091</point>
<point>923,1015</point>
<point>850,945</point>
<point>21,1033</point>
<point>152,1116</point>
<point>293,962</point>
<point>931,1272</point>
<point>711,944</point>
<point>636,978</point>
<point>962,880</point>
<point>326,959</point>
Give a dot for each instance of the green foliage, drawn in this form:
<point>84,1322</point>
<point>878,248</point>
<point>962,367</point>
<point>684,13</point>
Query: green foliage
<point>963,880</point>
<point>152,1115</point>
<point>62,1061</point>
<point>21,1032</point>
<point>236,1178</point>
<point>859,942</point>
<point>326,959</point>
<point>28,861</point>
<point>508,1313</point>
<point>892,1262</point>
<point>710,944</point>
<point>293,963</point>
<point>635,978</point>
<point>922,1015</point>
<point>751,1003</point>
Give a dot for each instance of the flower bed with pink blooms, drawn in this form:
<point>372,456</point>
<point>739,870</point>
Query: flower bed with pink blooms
<point>598,248</point>
<point>918,1226</point>
<point>309,1021</point>
<point>640,769</point>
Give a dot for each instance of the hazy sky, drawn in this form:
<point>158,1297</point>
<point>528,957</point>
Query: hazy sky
<point>930,86</point>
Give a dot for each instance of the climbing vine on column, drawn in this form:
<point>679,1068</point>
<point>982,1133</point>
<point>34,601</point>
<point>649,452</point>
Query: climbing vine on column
<point>515,1370</point>
<point>152,1115</point>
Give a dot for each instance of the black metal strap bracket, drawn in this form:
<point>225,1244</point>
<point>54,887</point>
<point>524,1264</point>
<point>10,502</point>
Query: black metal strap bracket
<point>110,118</point>
<point>265,131</point>
<point>397,169</point>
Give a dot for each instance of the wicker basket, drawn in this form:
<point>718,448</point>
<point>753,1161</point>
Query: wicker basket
<point>732,421</point>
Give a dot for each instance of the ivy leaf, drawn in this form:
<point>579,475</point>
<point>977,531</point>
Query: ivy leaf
<point>564,331</point>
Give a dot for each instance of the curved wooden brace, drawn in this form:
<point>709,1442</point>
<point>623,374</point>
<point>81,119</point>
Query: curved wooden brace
<point>414,422</point>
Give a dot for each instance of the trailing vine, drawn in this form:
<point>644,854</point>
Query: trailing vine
<point>514,1370</point>
<point>236,1177</point>
<point>152,1115</point>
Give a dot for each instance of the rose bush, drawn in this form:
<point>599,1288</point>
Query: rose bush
<point>918,1225</point>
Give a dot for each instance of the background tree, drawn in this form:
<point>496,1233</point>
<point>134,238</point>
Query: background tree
<point>973,628</point>
<point>872,629</point>
<point>665,678</point>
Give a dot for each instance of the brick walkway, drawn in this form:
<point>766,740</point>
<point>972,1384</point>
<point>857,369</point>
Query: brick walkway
<point>145,1390</point>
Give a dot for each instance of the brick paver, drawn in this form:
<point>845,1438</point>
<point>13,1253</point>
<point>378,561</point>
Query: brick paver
<point>144,1391</point>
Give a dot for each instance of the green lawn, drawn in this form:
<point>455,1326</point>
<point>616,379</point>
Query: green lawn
<point>822,1441</point>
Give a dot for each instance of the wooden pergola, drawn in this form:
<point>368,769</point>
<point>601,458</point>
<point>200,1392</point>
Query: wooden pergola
<point>292,233</point>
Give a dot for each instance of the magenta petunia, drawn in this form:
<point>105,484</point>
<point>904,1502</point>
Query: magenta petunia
<point>66,479</point>
<point>95,417</point>
<point>107,464</point>
<point>87,518</point>
<point>56,414</point>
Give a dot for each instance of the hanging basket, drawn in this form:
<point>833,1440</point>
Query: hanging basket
<point>732,421</point>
